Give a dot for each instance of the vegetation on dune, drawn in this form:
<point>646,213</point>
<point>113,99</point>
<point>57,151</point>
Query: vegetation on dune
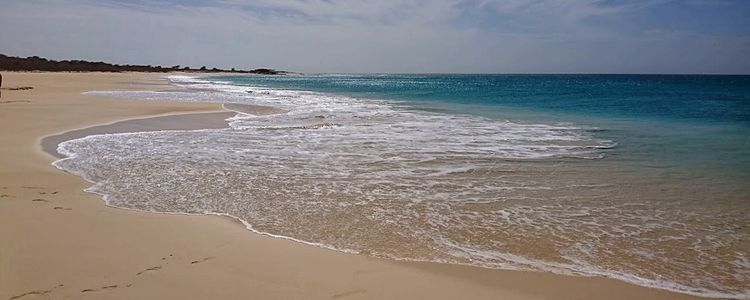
<point>35,63</point>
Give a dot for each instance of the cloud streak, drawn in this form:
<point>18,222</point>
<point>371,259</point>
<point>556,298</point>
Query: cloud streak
<point>514,36</point>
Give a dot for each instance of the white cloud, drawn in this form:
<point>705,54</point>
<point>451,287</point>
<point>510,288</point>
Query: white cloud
<point>358,36</point>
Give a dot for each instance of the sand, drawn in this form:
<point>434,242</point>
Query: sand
<point>57,241</point>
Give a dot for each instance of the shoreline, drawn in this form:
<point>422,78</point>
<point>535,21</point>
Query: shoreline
<point>178,121</point>
<point>317,272</point>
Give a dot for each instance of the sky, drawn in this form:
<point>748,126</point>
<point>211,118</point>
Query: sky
<point>390,36</point>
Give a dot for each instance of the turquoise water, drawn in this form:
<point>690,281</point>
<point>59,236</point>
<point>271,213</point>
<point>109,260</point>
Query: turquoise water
<point>723,99</point>
<point>696,121</point>
<point>643,179</point>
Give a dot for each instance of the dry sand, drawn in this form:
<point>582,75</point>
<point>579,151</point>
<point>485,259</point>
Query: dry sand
<point>57,241</point>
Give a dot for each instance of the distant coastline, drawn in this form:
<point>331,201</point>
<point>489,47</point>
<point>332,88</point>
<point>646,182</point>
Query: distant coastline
<point>36,63</point>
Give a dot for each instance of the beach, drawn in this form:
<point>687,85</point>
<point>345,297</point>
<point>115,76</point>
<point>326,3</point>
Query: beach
<point>57,241</point>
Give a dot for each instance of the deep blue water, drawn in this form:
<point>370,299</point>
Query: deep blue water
<point>724,99</point>
<point>698,122</point>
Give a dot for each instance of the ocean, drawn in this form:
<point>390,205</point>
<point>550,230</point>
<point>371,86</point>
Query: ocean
<point>640,178</point>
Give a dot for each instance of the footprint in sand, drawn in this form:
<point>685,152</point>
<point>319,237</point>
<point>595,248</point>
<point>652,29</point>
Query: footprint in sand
<point>114,286</point>
<point>151,269</point>
<point>18,88</point>
<point>39,292</point>
<point>201,260</point>
<point>104,288</point>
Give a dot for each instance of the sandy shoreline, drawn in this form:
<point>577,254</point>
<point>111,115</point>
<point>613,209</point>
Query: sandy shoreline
<point>192,121</point>
<point>57,241</point>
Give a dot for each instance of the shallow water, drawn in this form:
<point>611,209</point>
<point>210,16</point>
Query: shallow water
<point>586,194</point>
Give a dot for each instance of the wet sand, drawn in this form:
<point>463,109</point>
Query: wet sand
<point>211,120</point>
<point>173,121</point>
<point>57,241</point>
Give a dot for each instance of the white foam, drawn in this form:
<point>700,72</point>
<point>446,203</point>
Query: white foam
<point>379,121</point>
<point>369,176</point>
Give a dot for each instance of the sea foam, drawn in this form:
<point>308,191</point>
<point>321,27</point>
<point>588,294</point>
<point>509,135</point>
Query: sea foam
<point>390,180</point>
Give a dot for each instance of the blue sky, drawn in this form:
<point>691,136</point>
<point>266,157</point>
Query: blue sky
<point>465,36</point>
